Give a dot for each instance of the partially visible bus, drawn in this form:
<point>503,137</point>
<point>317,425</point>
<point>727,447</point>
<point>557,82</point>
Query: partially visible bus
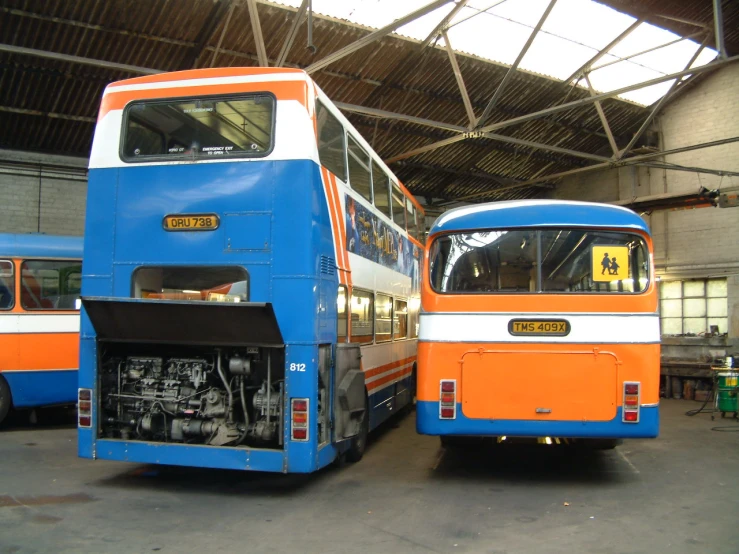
<point>539,319</point>
<point>40,279</point>
<point>250,286</point>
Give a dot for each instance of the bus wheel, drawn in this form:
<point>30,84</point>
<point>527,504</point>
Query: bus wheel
<point>359,443</point>
<point>6,399</point>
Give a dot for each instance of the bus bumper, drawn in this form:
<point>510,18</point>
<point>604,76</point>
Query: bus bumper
<point>428,423</point>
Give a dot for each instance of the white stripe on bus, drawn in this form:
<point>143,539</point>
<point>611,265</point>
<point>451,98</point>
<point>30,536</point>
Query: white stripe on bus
<point>585,329</point>
<point>39,323</point>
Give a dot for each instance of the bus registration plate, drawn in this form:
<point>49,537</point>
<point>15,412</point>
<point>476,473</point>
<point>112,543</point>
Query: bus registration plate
<point>541,327</point>
<point>191,222</point>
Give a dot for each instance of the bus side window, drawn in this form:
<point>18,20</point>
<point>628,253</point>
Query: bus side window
<point>410,218</point>
<point>50,284</point>
<point>342,330</point>
<point>381,188</point>
<point>7,285</point>
<point>359,170</point>
<point>384,318</point>
<point>331,142</point>
<point>400,320</point>
<point>363,316</point>
<point>398,206</point>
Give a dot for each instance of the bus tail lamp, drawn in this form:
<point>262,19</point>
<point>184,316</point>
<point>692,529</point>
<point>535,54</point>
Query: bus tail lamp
<point>448,399</point>
<point>631,403</point>
<point>84,408</point>
<point>299,419</point>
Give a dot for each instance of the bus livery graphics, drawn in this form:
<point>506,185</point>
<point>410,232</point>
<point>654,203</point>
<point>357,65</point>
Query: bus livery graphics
<point>539,319</point>
<point>232,316</point>
<point>40,277</point>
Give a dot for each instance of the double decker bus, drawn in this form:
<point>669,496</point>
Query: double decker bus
<point>539,319</point>
<point>250,285</point>
<point>40,277</point>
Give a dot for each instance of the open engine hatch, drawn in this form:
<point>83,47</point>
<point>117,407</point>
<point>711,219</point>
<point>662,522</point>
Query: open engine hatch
<point>183,322</point>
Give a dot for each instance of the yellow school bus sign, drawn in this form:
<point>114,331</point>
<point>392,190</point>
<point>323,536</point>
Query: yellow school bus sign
<point>609,263</point>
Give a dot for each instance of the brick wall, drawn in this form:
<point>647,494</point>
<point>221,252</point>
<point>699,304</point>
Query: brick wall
<point>688,243</point>
<point>58,182</point>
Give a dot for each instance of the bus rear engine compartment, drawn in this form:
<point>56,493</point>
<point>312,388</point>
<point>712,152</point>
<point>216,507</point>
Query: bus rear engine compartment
<point>207,396</point>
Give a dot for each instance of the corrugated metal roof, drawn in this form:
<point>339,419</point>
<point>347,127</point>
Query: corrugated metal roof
<point>50,105</point>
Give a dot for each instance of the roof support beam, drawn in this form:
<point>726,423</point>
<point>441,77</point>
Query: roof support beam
<point>547,147</point>
<point>511,70</point>
<point>658,105</point>
<point>77,59</point>
<point>636,54</point>
<point>53,115</point>
<point>581,70</point>
<point>223,34</point>
<point>374,112</point>
<point>675,167</point>
<point>612,165</point>
<point>460,80</point>
<point>214,18</point>
<point>563,107</point>
<point>442,26</point>
<point>603,120</point>
<point>718,22</point>
<point>292,33</point>
<point>256,28</point>
<point>364,41</point>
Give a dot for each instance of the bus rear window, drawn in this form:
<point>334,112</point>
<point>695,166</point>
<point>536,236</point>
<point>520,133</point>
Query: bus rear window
<point>539,261</point>
<point>202,128</point>
<point>200,283</point>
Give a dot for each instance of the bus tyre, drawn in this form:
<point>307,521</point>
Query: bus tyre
<point>359,442</point>
<point>6,400</point>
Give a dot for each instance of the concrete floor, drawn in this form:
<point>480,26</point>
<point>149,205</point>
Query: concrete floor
<point>679,493</point>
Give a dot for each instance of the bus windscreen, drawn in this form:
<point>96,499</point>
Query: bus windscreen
<point>539,261</point>
<point>202,128</point>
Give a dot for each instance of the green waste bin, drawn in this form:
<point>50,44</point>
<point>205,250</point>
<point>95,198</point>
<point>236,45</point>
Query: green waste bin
<point>728,384</point>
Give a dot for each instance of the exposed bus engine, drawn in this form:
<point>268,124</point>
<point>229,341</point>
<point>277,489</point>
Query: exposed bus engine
<point>209,396</point>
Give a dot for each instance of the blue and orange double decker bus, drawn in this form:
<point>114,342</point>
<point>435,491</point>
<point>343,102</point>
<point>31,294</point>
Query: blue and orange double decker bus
<point>250,285</point>
<point>40,277</point>
<point>539,319</point>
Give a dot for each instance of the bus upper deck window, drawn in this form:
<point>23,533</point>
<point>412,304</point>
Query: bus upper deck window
<point>7,285</point>
<point>199,128</point>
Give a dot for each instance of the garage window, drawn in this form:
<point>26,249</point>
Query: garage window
<point>693,306</point>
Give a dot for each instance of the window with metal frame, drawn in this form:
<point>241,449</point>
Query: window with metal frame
<point>381,188</point>
<point>50,284</point>
<point>398,199</point>
<point>363,316</point>
<point>400,320</point>
<point>7,284</point>
<point>359,169</point>
<point>693,306</point>
<point>531,261</point>
<point>199,128</point>
<point>384,319</point>
<point>331,142</point>
<point>410,218</point>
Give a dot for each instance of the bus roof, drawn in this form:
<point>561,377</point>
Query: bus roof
<point>40,246</point>
<point>538,213</point>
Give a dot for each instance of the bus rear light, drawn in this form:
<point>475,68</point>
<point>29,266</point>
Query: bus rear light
<point>84,407</point>
<point>631,402</point>
<point>448,399</point>
<point>299,419</point>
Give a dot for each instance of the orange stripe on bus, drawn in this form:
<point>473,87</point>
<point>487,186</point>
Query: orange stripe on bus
<point>288,90</point>
<point>206,73</point>
<point>380,382</point>
<point>340,219</point>
<point>34,351</point>
<point>383,368</point>
<point>325,177</point>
